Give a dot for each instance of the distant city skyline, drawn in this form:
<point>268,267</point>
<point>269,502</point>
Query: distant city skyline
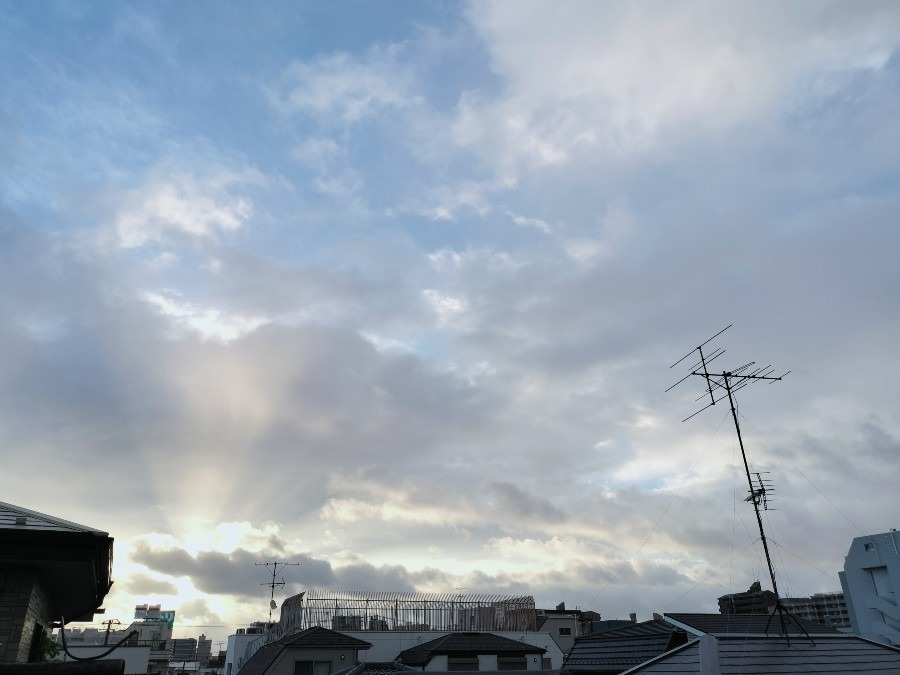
<point>391,290</point>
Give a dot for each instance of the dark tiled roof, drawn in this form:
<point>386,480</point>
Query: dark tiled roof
<point>747,624</point>
<point>377,668</point>
<point>651,627</point>
<point>322,637</point>
<point>496,672</point>
<point>261,660</point>
<point>466,644</point>
<point>315,637</point>
<point>835,654</point>
<point>623,648</point>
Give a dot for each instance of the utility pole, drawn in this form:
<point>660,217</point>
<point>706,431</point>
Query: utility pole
<point>109,623</point>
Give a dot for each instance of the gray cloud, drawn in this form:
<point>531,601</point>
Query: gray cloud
<point>235,573</point>
<point>144,585</point>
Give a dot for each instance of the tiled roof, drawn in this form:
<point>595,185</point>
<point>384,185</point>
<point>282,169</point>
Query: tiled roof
<point>378,668</point>
<point>651,627</point>
<point>315,637</point>
<point>835,654</point>
<point>261,660</point>
<point>746,624</point>
<point>18,518</point>
<point>465,644</point>
<point>623,648</point>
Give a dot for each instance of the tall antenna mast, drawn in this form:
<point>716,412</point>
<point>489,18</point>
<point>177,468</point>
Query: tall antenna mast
<point>718,388</point>
<point>273,584</point>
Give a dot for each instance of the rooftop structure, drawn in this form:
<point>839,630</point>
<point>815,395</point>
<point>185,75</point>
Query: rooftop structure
<point>53,570</point>
<point>871,582</point>
<point>350,610</point>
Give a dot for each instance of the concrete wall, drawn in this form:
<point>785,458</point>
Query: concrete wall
<point>24,605</point>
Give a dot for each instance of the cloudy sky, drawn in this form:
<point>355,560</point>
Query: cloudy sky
<point>392,290</point>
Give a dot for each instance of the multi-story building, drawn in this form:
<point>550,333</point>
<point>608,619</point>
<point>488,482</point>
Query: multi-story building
<point>393,622</point>
<point>871,580</point>
<point>829,609</point>
<point>752,601</point>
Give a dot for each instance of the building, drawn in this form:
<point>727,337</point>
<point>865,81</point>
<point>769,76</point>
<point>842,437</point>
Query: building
<point>716,644</point>
<point>563,625</point>
<point>829,609</point>
<point>740,644</point>
<point>150,630</point>
<point>473,652</point>
<point>391,615</point>
<point>752,601</point>
<point>615,651</point>
<point>53,571</point>
<point>135,658</point>
<point>314,651</point>
<point>237,648</point>
<point>871,580</point>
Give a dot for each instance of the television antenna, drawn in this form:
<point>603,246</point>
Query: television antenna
<point>273,584</point>
<point>718,388</point>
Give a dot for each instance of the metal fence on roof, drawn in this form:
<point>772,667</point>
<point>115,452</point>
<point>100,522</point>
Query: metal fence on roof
<point>355,611</point>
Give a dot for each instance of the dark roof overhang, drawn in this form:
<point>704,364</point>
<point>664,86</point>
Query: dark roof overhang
<point>75,567</point>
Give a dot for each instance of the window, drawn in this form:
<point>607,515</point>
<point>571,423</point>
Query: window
<point>461,663</point>
<point>512,663</point>
<point>565,631</point>
<point>312,667</point>
<point>546,663</point>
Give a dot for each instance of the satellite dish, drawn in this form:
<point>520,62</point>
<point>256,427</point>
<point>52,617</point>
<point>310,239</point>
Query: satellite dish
<point>272,604</point>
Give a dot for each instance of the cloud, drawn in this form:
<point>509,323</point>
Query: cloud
<point>197,611</point>
<point>142,585</point>
<point>234,573</point>
<point>617,81</point>
<point>345,88</point>
<point>196,206</point>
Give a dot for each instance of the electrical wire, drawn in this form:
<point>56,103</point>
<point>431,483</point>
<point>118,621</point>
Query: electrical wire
<point>95,657</point>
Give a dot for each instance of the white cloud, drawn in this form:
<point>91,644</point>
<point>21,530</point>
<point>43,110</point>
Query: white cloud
<point>345,88</point>
<point>594,79</point>
<point>449,310</point>
<point>205,321</point>
<point>199,206</point>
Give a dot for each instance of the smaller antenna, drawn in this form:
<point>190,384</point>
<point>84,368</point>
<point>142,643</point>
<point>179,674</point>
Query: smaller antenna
<point>273,583</point>
<point>762,492</point>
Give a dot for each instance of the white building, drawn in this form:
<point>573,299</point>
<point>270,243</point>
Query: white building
<point>871,580</point>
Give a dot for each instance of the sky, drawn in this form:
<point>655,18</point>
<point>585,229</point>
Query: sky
<point>392,290</point>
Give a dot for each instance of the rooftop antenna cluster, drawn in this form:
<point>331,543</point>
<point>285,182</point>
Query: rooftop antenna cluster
<point>719,387</point>
<point>273,584</point>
